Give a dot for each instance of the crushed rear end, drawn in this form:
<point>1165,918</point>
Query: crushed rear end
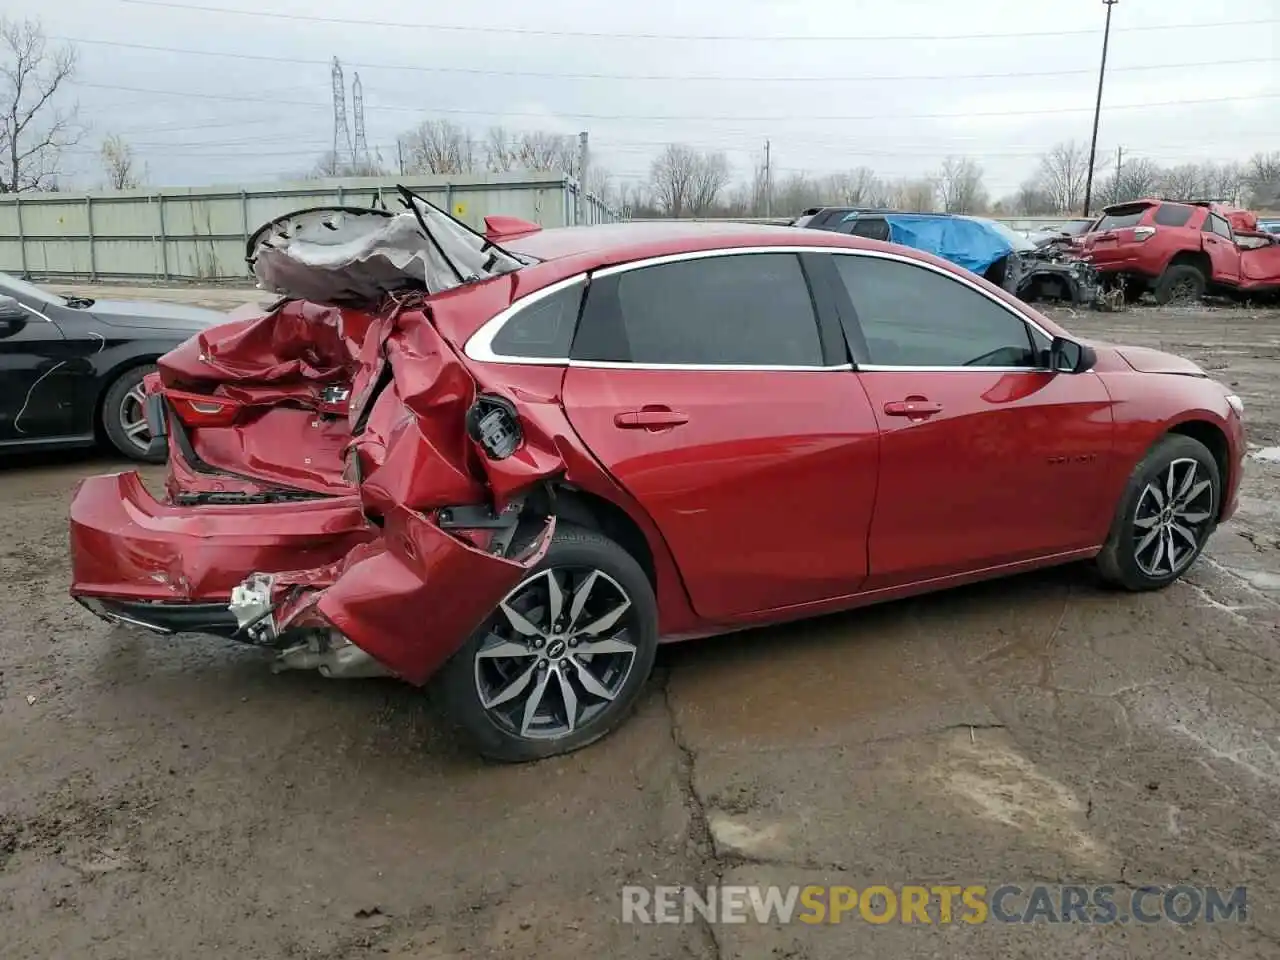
<point>342,488</point>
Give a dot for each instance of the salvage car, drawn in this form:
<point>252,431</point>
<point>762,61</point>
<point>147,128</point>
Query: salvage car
<point>511,464</point>
<point>73,367</point>
<point>986,247</point>
<point>1179,251</point>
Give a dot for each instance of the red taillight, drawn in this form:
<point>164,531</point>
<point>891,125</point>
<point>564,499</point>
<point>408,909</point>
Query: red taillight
<point>1143,233</point>
<point>197,410</point>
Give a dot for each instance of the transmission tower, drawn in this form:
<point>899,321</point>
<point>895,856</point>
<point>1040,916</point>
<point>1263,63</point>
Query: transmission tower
<point>342,154</point>
<point>361,153</point>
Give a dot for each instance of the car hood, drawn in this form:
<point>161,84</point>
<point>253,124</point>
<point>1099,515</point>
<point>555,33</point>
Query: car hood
<point>146,315</point>
<point>1146,360</point>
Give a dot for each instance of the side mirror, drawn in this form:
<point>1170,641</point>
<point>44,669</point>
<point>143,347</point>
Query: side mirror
<point>10,310</point>
<point>1067,356</point>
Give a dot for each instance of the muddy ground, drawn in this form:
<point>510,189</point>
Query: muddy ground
<point>171,797</point>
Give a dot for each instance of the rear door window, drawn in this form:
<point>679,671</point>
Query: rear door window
<point>737,310</point>
<point>1172,215</point>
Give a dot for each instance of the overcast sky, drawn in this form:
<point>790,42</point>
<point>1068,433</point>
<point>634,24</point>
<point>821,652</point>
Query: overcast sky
<point>833,84</point>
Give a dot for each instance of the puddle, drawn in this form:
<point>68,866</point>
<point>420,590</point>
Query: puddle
<point>1266,454</point>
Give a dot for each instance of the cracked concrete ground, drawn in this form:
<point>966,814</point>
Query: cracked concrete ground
<point>170,797</point>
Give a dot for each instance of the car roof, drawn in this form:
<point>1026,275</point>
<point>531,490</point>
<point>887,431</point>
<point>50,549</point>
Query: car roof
<point>637,240</point>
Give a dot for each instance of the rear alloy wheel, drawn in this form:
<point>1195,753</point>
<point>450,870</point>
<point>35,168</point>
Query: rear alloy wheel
<point>562,659</point>
<point>124,416</point>
<point>1169,510</point>
<point>1180,283</point>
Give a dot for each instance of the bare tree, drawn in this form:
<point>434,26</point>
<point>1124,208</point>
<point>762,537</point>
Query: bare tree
<point>438,146</point>
<point>916,196</point>
<point>959,186</point>
<point>33,130</point>
<point>1136,179</point>
<point>1262,177</point>
<point>500,153</point>
<point>328,165</point>
<point>553,152</point>
<point>1222,181</point>
<point>1182,182</point>
<point>600,184</point>
<point>1032,199</point>
<point>120,164</point>
<point>1063,172</point>
<point>710,177</point>
<point>671,177</point>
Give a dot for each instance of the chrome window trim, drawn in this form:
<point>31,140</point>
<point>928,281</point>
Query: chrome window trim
<point>480,345</point>
<point>706,367</point>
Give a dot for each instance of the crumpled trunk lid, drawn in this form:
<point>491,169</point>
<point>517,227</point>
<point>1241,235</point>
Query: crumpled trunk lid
<point>346,255</point>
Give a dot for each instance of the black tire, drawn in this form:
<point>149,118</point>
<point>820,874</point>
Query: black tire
<point>1124,561</point>
<point>574,551</point>
<point>119,413</point>
<point>1181,282</point>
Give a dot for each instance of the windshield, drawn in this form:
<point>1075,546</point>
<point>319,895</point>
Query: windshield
<point>1018,241</point>
<point>14,287</point>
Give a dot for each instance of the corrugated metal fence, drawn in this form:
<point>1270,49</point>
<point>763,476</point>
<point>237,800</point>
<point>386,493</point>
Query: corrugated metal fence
<point>200,234</point>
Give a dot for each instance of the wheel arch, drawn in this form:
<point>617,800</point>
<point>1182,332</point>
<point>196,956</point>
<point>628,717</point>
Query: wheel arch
<point>108,377</point>
<point>594,512</point>
<point>1215,440</point>
<point>1192,258</point>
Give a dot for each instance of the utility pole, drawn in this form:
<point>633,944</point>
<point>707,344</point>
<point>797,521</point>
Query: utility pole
<point>768,182</point>
<point>583,159</point>
<point>1097,109</point>
<point>400,153</point>
<point>1119,166</point>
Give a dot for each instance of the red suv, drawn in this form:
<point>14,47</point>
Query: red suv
<point>1180,251</point>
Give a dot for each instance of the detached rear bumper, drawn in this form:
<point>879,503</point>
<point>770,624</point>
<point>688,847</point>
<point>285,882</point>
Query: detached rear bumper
<point>127,546</point>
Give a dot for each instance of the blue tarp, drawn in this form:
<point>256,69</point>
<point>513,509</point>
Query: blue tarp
<point>972,244</point>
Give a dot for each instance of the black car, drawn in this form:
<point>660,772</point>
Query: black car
<point>71,368</point>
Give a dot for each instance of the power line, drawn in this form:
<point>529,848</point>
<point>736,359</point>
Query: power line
<point>687,117</point>
<point>598,35</point>
<point>683,78</point>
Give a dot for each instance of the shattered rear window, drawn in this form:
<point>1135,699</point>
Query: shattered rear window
<point>1121,218</point>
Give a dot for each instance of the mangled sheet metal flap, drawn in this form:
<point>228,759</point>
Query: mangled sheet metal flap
<point>344,255</point>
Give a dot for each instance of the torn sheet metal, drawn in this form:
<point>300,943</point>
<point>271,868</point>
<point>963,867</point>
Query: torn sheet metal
<point>345,255</point>
<point>124,543</point>
<point>414,603</point>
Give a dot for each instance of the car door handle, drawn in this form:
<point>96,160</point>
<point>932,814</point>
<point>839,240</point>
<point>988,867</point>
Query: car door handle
<point>912,407</point>
<point>650,418</point>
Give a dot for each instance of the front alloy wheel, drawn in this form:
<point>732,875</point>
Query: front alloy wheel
<point>563,657</point>
<point>1168,511</point>
<point>1169,525</point>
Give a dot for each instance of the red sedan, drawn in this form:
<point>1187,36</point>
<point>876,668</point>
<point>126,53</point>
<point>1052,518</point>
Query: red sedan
<point>514,464</point>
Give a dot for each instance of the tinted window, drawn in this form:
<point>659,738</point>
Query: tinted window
<point>748,309</point>
<point>1121,219</point>
<point>1172,215</point>
<point>915,317</point>
<point>1219,226</point>
<point>873,229</point>
<point>543,330</point>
